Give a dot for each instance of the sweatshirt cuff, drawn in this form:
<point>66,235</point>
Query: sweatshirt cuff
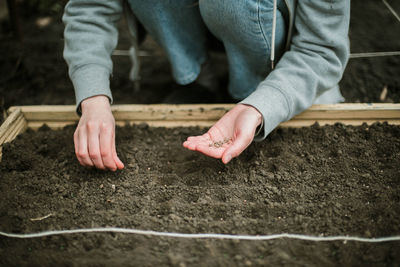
<point>91,80</point>
<point>272,103</point>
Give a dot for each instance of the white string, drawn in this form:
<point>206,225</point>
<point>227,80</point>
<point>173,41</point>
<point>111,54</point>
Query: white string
<point>273,34</point>
<point>204,236</point>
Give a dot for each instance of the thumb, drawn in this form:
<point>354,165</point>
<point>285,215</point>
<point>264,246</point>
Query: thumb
<point>240,143</point>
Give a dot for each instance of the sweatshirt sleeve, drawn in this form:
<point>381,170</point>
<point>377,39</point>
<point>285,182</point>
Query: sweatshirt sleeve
<point>314,63</point>
<point>90,35</point>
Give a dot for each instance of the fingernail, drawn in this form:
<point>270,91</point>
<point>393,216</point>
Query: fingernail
<point>228,158</point>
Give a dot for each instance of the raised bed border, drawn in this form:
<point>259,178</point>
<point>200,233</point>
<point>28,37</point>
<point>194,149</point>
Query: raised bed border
<point>204,115</point>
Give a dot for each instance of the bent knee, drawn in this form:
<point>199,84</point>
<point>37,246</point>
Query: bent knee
<point>230,19</point>
<point>222,13</point>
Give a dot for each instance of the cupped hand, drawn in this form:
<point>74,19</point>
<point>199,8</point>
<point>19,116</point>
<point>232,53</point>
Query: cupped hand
<point>94,137</point>
<point>230,136</point>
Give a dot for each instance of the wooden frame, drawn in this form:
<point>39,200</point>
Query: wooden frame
<point>203,115</point>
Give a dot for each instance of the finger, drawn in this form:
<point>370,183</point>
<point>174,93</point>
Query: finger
<point>205,136</point>
<point>106,140</point>
<point>241,142</point>
<point>76,140</point>
<point>94,145</point>
<point>185,144</point>
<point>118,162</point>
<point>200,140</point>
<point>192,138</point>
<point>83,153</point>
<point>192,146</point>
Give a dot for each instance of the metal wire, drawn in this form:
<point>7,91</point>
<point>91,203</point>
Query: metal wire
<point>205,236</point>
<point>127,53</point>
<point>352,55</point>
<point>374,54</point>
<point>391,10</point>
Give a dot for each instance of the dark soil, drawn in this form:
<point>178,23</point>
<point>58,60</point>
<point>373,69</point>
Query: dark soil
<point>373,29</point>
<point>35,73</point>
<point>321,180</point>
<point>332,180</point>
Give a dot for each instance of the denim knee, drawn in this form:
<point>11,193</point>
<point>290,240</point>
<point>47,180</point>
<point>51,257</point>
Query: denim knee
<point>228,19</point>
<point>247,22</point>
<point>178,28</point>
<point>245,28</point>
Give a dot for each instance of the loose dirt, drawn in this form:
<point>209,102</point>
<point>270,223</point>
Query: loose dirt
<point>332,180</point>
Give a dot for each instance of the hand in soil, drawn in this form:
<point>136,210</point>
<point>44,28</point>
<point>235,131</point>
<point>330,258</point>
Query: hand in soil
<point>230,136</point>
<point>94,137</point>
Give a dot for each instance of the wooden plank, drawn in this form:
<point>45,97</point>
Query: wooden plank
<point>306,123</point>
<point>20,127</point>
<point>10,120</point>
<point>132,112</point>
<point>210,112</point>
<point>14,123</point>
<point>169,124</point>
<point>205,115</point>
<point>352,111</point>
<point>205,124</point>
<point>11,127</point>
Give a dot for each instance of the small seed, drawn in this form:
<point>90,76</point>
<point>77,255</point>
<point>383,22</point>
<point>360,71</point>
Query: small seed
<point>218,144</point>
<point>227,140</point>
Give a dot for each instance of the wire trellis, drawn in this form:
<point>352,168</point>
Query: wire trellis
<point>374,54</point>
<point>391,9</point>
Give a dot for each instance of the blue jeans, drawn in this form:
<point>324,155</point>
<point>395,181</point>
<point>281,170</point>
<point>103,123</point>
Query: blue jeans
<point>243,26</point>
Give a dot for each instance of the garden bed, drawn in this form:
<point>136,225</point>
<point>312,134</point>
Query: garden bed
<point>331,180</point>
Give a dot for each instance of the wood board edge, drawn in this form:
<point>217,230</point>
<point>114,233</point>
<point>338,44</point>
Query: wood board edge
<point>211,112</point>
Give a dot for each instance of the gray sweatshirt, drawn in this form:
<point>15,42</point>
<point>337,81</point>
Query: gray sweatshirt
<point>317,52</point>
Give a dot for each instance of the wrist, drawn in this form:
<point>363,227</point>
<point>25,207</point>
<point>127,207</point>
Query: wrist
<point>98,101</point>
<point>254,112</point>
